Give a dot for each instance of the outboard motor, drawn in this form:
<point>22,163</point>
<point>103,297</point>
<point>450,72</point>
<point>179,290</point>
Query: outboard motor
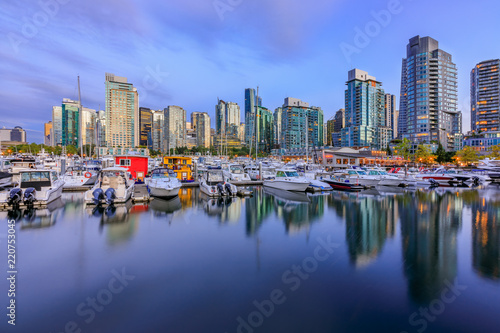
<point>433,182</point>
<point>110,196</point>
<point>228,188</point>
<point>98,195</point>
<point>15,197</point>
<point>29,196</point>
<point>221,189</point>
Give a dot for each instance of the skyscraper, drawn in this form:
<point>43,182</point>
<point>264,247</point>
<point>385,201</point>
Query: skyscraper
<point>233,115</point>
<point>145,122</point>
<point>391,114</point>
<point>122,112</point>
<point>70,125</point>
<point>250,103</point>
<point>364,112</point>
<point>485,96</point>
<point>334,127</point>
<point>220,118</point>
<point>265,129</point>
<point>277,125</point>
<point>175,128</point>
<point>201,124</point>
<point>298,118</point>
<point>429,91</point>
<point>56,139</point>
<point>47,133</point>
<point>157,129</point>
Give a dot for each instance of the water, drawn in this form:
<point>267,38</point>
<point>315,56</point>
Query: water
<point>277,262</point>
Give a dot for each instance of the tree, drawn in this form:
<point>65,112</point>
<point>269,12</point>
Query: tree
<point>495,152</point>
<point>467,156</point>
<point>388,150</point>
<point>403,149</point>
<point>441,154</point>
<point>424,155</point>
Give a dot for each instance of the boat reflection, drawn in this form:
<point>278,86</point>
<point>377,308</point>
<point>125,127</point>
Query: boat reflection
<point>36,217</point>
<point>162,207</point>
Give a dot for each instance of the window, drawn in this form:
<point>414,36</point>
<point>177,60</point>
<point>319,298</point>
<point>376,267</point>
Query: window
<point>125,162</point>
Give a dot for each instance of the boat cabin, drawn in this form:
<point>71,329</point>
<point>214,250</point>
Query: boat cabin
<point>37,179</point>
<point>137,165</point>
<point>181,166</point>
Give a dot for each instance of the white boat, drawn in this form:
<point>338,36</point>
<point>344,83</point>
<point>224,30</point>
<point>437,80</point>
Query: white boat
<point>289,180</point>
<point>163,183</point>
<point>5,179</point>
<point>356,175</point>
<point>37,187</point>
<point>78,176</point>
<point>441,176</point>
<point>114,185</point>
<point>212,184</point>
<point>235,172</point>
<point>318,186</point>
<point>385,178</point>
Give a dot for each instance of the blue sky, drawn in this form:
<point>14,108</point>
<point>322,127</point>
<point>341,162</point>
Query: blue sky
<point>191,52</point>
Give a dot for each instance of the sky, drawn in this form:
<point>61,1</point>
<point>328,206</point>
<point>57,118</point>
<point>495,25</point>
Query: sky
<point>191,52</point>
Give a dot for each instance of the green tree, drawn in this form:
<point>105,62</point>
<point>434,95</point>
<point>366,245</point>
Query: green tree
<point>403,149</point>
<point>495,152</point>
<point>388,150</point>
<point>441,154</point>
<point>424,155</point>
<point>467,155</point>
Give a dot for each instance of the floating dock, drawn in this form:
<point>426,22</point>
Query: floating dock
<point>141,194</point>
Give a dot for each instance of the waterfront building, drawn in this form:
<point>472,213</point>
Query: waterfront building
<point>483,141</point>
<point>175,128</point>
<point>71,127</point>
<point>145,126</point>
<point>89,123</point>
<point>190,136</point>
<point>227,116</point>
<point>391,114</point>
<point>278,112</point>
<point>16,134</point>
<point>251,101</point>
<point>265,129</point>
<point>429,93</point>
<point>157,129</point>
<point>485,96</point>
<point>56,126</point>
<point>122,112</point>
<point>47,133</point>
<point>201,124</point>
<point>241,134</point>
<point>364,112</point>
<point>101,128</point>
<point>334,128</point>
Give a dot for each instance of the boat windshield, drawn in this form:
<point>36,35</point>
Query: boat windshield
<point>37,176</point>
<point>113,173</point>
<point>236,169</point>
<point>374,173</point>
<point>163,173</point>
<point>291,173</point>
<point>214,177</point>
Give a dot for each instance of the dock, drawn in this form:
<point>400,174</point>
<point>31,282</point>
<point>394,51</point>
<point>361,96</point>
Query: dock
<point>141,193</point>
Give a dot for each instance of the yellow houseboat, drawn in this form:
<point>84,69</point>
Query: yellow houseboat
<point>181,166</point>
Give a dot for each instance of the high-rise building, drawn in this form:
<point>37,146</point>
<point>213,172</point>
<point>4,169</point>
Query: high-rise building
<point>265,129</point>
<point>241,134</point>
<point>157,129</point>
<point>485,96</point>
<point>364,112</point>
<point>89,123</point>
<point>251,101</point>
<point>429,93</point>
<point>71,127</point>
<point>175,128</point>
<point>122,112</point>
<point>277,126</point>
<point>298,119</point>
<point>220,118</point>
<point>201,124</point>
<point>16,134</point>
<point>145,124</point>
<point>391,119</point>
<point>56,126</point>
<point>338,125</point>
<point>101,128</point>
<point>47,133</point>
<point>227,116</point>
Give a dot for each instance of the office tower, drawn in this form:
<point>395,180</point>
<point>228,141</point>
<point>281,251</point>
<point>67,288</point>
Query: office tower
<point>201,124</point>
<point>233,115</point>
<point>220,118</point>
<point>175,128</point>
<point>250,106</point>
<point>56,139</point>
<point>428,93</point>
<point>145,123</point>
<point>157,130</point>
<point>484,96</point>
<point>297,118</point>
<point>265,129</point>
<point>47,133</point>
<point>391,119</point>
<point>364,112</point>
<point>70,124</point>
<point>101,128</point>
<point>16,134</point>
<point>241,134</point>
<point>122,112</point>
<point>89,123</point>
<point>277,126</point>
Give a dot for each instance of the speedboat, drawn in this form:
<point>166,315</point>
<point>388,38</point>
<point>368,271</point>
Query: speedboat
<point>289,180</point>
<point>343,183</point>
<point>114,185</point>
<point>441,176</point>
<point>163,183</point>
<point>212,184</point>
<point>358,176</point>
<point>235,172</point>
<point>78,176</point>
<point>5,179</point>
<point>318,185</point>
<point>385,178</point>
<point>37,187</point>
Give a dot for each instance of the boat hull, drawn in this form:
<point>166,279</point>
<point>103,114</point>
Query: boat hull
<point>287,185</point>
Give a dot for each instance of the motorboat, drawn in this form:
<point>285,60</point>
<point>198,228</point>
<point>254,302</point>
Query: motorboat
<point>235,172</point>
<point>358,176</point>
<point>212,184</point>
<point>78,176</point>
<point>343,183</point>
<point>316,185</point>
<point>5,179</point>
<point>441,176</point>
<point>289,180</point>
<point>114,185</point>
<point>37,187</point>
<point>163,183</point>
<point>254,172</point>
<point>385,178</point>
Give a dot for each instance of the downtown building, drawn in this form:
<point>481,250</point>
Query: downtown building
<point>201,124</point>
<point>334,128</point>
<point>484,97</point>
<point>122,112</point>
<point>391,114</point>
<point>251,103</point>
<point>47,133</point>
<point>298,122</point>
<point>365,124</point>
<point>68,121</point>
<point>278,112</point>
<point>175,134</point>
<point>145,127</point>
<point>429,94</point>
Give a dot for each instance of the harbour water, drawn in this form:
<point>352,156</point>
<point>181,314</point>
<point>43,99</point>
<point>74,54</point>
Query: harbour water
<point>375,261</point>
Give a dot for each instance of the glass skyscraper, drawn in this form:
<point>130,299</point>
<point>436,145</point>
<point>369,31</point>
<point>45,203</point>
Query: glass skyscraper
<point>484,96</point>
<point>250,104</point>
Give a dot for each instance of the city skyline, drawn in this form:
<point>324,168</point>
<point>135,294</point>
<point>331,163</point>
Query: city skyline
<point>172,62</point>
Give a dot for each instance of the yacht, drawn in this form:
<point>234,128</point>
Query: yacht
<point>114,185</point>
<point>441,176</point>
<point>78,176</point>
<point>385,178</point>
<point>163,183</point>
<point>212,184</point>
<point>235,172</point>
<point>358,176</point>
<point>37,187</point>
<point>343,183</point>
<point>287,179</point>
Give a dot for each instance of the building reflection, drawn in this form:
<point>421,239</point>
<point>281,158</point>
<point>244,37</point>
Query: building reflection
<point>486,236</point>
<point>430,222</point>
<point>257,209</point>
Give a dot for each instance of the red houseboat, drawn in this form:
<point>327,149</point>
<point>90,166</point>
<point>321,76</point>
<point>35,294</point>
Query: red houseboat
<point>137,165</point>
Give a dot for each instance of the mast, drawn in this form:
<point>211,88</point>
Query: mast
<point>307,140</point>
<point>80,118</point>
<point>256,128</point>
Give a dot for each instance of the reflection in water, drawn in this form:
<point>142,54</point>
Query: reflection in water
<point>430,222</point>
<point>257,208</point>
<point>486,235</point>
<point>36,217</point>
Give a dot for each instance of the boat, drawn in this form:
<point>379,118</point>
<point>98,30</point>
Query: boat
<point>385,179</point>
<point>235,172</point>
<point>318,185</point>
<point>212,184</point>
<point>358,176</point>
<point>343,183</point>
<point>5,179</point>
<point>37,187</point>
<point>78,176</point>
<point>441,176</point>
<point>289,180</point>
<point>163,183</point>
<point>113,186</point>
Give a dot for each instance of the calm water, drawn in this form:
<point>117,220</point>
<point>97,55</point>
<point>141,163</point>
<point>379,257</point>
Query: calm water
<point>277,262</point>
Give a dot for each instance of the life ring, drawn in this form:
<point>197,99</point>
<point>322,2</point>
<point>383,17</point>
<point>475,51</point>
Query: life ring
<point>88,174</point>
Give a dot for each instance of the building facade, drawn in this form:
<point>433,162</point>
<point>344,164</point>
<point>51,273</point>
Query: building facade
<point>251,101</point>
<point>201,124</point>
<point>301,123</point>
<point>175,128</point>
<point>157,130</point>
<point>145,126</point>
<point>278,112</point>
<point>485,96</point>
<point>16,134</point>
<point>429,93</point>
<point>47,133</point>
<point>56,139</point>
<point>391,114</point>
<point>122,112</point>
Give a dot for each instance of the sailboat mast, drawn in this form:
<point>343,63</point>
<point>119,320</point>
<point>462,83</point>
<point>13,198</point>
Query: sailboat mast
<point>80,118</point>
